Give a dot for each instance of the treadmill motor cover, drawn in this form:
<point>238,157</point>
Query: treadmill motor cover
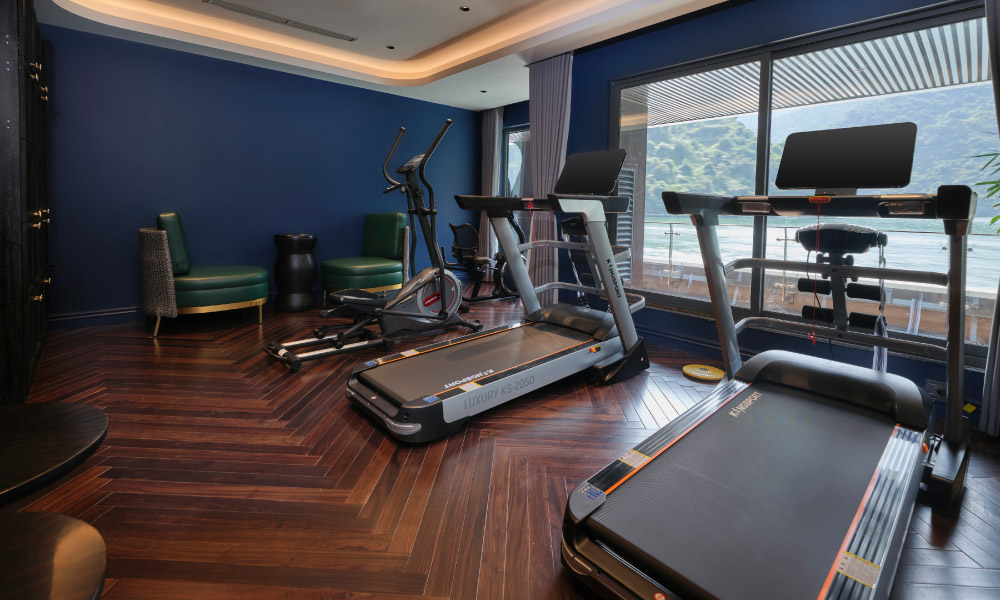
<point>753,503</point>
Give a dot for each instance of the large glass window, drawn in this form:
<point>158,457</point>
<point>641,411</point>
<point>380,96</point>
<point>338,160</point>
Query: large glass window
<point>701,132</point>
<point>689,134</point>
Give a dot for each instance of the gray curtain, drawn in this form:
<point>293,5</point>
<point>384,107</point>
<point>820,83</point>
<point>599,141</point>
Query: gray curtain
<point>549,84</point>
<point>491,178</point>
<point>989,421</point>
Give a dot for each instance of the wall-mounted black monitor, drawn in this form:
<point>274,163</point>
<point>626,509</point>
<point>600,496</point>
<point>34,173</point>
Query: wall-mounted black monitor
<point>876,156</point>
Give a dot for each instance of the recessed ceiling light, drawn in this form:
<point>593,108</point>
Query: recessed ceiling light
<point>391,47</point>
<point>482,91</point>
<point>463,8</point>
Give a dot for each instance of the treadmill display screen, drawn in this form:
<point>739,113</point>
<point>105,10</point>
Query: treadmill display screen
<point>877,156</point>
<point>591,172</point>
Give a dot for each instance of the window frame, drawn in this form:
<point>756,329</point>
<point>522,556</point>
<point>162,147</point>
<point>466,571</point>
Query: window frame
<point>915,19</point>
<point>504,137</point>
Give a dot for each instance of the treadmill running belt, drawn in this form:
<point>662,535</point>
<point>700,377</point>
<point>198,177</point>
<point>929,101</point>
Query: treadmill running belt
<point>752,503</point>
<point>422,375</point>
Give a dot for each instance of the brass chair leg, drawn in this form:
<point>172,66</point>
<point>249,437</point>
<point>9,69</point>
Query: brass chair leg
<point>260,314</point>
<point>156,328</point>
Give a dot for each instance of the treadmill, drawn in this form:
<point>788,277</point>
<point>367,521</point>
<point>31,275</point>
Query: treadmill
<point>427,393</point>
<point>796,478</point>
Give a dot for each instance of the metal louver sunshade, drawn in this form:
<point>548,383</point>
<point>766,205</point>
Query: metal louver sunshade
<point>947,55</point>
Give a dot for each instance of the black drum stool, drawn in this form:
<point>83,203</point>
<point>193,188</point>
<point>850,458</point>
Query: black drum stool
<point>295,272</point>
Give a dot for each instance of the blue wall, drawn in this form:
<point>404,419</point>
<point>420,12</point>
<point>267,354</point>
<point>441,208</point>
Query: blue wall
<point>515,114</point>
<point>241,152</point>
<point>712,32</point>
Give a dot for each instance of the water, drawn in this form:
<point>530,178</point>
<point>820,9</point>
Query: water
<point>910,245</point>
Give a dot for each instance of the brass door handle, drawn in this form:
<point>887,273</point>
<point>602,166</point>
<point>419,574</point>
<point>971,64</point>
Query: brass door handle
<point>41,213</point>
<point>38,225</point>
<point>38,298</point>
<point>34,76</point>
<point>36,65</point>
<point>47,281</point>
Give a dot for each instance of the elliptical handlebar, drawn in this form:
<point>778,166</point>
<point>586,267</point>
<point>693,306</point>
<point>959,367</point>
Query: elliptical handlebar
<point>433,147</point>
<point>517,228</point>
<point>432,211</point>
<point>385,165</point>
<point>427,155</point>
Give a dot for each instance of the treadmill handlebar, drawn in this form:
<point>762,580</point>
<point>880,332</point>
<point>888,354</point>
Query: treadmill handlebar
<point>951,203</point>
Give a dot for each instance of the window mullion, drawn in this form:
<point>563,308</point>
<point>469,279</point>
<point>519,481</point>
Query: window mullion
<point>761,176</point>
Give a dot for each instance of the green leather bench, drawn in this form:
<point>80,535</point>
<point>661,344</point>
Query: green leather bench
<point>171,286</point>
<point>384,258</point>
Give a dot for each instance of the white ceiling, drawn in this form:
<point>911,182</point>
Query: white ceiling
<point>412,26</point>
<point>442,54</point>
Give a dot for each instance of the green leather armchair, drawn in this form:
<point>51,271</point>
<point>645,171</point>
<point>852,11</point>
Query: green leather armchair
<point>171,286</point>
<point>384,260</point>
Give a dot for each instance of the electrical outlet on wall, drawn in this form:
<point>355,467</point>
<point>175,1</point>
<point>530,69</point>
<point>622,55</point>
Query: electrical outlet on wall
<point>935,389</point>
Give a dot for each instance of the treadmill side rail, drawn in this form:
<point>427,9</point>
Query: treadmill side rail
<point>881,530</point>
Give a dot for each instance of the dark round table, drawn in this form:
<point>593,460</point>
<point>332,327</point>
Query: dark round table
<point>40,442</point>
<point>295,272</point>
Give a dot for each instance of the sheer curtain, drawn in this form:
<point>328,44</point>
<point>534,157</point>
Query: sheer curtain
<point>549,84</point>
<point>491,178</point>
<point>990,419</point>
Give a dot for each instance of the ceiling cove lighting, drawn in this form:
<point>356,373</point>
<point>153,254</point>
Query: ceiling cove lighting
<point>266,16</point>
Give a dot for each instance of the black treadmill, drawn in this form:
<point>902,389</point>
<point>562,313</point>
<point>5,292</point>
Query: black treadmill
<point>426,393</point>
<point>796,477</point>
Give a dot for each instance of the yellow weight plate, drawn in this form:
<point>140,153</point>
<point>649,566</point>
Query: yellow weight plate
<point>703,372</point>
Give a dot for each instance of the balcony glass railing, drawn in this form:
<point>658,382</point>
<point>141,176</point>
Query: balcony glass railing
<point>672,266</point>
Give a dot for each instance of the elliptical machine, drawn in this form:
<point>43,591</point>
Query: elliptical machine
<point>429,301</point>
<point>466,253</point>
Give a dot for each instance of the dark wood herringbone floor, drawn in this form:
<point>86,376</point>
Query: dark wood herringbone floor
<point>224,476</point>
